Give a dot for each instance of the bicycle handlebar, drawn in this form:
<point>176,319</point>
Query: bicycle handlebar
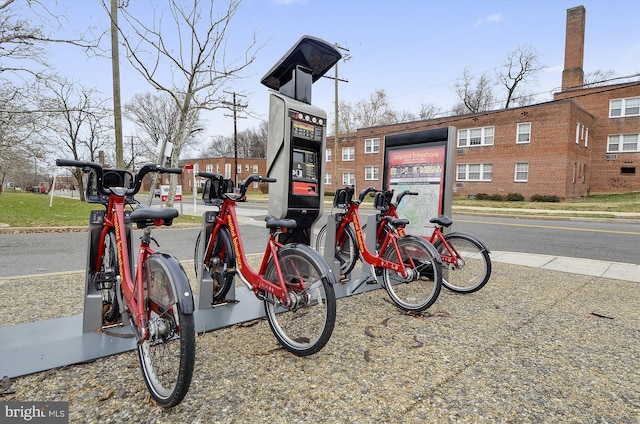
<point>404,193</point>
<point>137,184</point>
<point>366,191</point>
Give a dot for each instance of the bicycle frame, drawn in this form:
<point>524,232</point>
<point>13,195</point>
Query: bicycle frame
<point>353,216</point>
<point>450,258</point>
<point>132,285</point>
<point>253,280</point>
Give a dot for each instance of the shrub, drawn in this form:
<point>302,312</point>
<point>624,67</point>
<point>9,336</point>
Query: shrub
<point>515,197</point>
<point>544,198</point>
<point>264,188</point>
<point>496,197</point>
<point>482,196</point>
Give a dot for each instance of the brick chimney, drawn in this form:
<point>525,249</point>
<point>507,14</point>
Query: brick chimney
<point>573,74</point>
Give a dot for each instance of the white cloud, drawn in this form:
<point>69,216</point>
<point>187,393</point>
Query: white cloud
<point>493,18</point>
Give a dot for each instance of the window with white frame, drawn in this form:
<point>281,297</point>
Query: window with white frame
<point>619,108</point>
<point>372,145</point>
<point>217,167</point>
<point>209,168</point>
<point>327,155</point>
<point>246,167</point>
<point>621,143</point>
<point>348,178</point>
<point>578,133</point>
<point>474,172</point>
<point>348,153</point>
<point>521,172</point>
<point>371,172</point>
<point>524,133</point>
<point>239,169</point>
<point>255,169</point>
<point>327,179</point>
<point>472,137</point>
<point>227,170</point>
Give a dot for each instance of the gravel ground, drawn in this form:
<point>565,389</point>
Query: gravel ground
<point>532,346</point>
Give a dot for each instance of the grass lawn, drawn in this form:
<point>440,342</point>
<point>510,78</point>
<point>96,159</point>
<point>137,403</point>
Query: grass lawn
<point>18,209</point>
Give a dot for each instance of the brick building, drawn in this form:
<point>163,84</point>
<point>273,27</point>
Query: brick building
<point>225,167</point>
<point>584,141</point>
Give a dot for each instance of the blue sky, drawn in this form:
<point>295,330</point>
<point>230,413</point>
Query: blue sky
<point>413,49</point>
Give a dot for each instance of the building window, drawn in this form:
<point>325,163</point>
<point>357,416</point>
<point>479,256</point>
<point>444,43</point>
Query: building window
<point>327,155</point>
<point>578,133</point>
<point>348,178</point>
<point>371,172</point>
<point>621,143</point>
<point>619,108</point>
<point>524,133</point>
<point>372,145</point>
<point>255,169</point>
<point>327,179</point>
<point>348,153</point>
<point>218,168</point>
<point>474,172</point>
<point>227,170</point>
<point>239,169</point>
<point>476,137</point>
<point>246,167</point>
<point>586,137</point>
<point>209,168</point>
<point>522,172</point>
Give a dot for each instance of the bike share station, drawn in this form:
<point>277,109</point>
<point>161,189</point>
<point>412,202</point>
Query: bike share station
<point>422,162</point>
<point>295,158</point>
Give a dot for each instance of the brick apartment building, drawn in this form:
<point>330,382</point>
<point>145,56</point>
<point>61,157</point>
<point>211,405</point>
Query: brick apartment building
<point>587,140</point>
<point>224,166</point>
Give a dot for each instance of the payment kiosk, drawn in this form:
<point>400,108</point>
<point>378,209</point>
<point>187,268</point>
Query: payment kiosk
<point>297,136</point>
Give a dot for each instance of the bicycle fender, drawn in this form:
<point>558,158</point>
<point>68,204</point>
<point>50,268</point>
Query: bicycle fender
<point>316,257</point>
<point>428,245</point>
<point>181,286</point>
<point>472,237</point>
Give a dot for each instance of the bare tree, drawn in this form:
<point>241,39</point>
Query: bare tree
<point>597,78</point>
<point>474,96</point>
<point>73,114</point>
<point>185,58</point>
<point>428,111</point>
<point>520,67</point>
<point>219,147</point>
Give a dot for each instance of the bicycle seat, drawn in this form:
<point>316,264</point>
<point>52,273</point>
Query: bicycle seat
<point>145,216</point>
<point>442,221</point>
<point>273,222</point>
<point>396,222</point>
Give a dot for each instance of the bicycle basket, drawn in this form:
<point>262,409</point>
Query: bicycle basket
<point>382,200</point>
<point>214,189</point>
<point>110,178</point>
<point>343,197</point>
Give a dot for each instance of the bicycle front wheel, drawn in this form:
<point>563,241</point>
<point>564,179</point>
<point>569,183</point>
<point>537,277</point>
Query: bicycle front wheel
<point>466,263</point>
<point>167,356</point>
<point>220,265</point>
<point>419,289</point>
<point>305,325</point>
<point>346,248</point>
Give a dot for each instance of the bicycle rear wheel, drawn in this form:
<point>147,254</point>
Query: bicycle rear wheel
<point>346,252</point>
<point>420,289</point>
<point>471,268</point>
<point>305,326</point>
<point>167,357</point>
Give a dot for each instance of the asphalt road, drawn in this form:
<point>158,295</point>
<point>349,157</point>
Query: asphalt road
<point>611,240</point>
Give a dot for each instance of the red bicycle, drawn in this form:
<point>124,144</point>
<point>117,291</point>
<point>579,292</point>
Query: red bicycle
<point>465,259</point>
<point>156,300</point>
<point>293,281</point>
<point>409,265</point>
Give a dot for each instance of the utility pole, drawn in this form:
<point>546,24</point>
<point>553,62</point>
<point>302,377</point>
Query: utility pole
<point>235,107</point>
<point>115,70</point>
<point>336,126</point>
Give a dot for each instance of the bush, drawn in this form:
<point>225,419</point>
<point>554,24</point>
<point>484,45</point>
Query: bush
<point>544,198</point>
<point>515,197</point>
<point>264,188</point>
<point>482,196</point>
<point>496,197</point>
